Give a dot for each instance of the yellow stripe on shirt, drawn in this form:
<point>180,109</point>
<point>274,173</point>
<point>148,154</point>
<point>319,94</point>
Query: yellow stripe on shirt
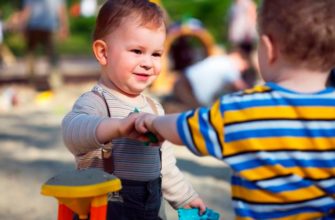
<point>280,112</point>
<point>198,140</point>
<point>257,89</point>
<point>279,143</point>
<point>217,123</point>
<point>262,196</point>
<point>265,172</point>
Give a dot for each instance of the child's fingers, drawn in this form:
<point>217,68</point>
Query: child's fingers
<point>202,209</point>
<point>138,136</point>
<point>140,127</point>
<point>197,203</point>
<point>140,124</point>
<point>127,125</point>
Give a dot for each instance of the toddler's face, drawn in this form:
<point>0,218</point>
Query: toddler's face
<point>134,55</point>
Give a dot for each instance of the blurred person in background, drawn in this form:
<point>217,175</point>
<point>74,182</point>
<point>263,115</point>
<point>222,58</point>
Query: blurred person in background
<point>14,23</point>
<point>201,83</point>
<point>242,22</point>
<point>7,58</point>
<point>41,19</point>
<point>1,38</point>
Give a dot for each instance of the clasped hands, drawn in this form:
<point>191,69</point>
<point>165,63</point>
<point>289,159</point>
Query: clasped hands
<point>137,126</point>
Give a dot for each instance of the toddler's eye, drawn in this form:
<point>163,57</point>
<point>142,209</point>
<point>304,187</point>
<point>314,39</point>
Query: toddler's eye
<point>157,54</point>
<point>136,51</point>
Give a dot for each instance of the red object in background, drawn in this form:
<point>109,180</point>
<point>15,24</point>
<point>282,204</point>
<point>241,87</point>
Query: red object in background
<point>75,10</point>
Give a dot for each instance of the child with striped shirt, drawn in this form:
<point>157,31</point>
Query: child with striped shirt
<point>278,138</point>
<point>128,44</point>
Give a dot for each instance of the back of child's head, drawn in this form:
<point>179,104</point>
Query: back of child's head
<point>303,31</point>
<point>113,12</point>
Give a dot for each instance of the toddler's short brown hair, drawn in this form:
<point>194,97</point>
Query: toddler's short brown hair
<point>113,11</point>
<point>303,29</point>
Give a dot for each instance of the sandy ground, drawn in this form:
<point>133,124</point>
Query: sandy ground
<point>32,151</point>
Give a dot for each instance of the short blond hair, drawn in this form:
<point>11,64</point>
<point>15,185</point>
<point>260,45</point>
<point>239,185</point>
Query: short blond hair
<point>303,29</point>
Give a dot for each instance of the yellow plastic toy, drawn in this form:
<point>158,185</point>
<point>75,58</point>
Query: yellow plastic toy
<point>82,192</point>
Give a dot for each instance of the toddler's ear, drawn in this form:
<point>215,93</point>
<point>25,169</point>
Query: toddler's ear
<point>100,51</point>
<point>271,49</point>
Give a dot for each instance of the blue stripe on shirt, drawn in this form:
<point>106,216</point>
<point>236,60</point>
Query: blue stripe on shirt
<point>281,132</point>
<point>204,128</point>
<point>237,181</point>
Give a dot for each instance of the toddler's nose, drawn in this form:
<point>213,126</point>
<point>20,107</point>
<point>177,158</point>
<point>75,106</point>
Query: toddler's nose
<point>146,63</point>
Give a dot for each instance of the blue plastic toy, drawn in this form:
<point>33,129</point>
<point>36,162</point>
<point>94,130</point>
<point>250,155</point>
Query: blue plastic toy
<point>193,214</point>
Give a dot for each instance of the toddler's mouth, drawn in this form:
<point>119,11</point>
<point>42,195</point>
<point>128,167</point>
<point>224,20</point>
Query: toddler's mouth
<point>142,76</point>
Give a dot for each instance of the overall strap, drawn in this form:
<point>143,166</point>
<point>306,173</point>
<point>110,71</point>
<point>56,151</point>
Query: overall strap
<point>101,95</point>
<point>106,152</point>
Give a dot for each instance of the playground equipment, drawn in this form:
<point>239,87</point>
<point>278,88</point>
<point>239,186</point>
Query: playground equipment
<point>164,83</point>
<point>83,192</point>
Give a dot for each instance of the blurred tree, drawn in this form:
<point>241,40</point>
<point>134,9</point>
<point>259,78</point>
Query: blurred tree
<point>211,12</point>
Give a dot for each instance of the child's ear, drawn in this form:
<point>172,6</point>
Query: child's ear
<point>100,51</point>
<point>270,48</point>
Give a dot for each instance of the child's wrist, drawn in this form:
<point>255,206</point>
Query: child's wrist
<point>119,131</point>
<point>153,125</point>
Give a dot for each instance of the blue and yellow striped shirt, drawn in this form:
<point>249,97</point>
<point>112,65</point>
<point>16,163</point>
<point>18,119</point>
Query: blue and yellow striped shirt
<point>280,145</point>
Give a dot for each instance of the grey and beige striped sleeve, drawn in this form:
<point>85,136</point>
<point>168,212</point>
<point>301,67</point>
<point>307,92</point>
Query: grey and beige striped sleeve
<point>79,125</point>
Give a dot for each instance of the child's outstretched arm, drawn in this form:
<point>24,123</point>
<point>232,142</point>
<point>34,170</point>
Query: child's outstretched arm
<point>87,127</point>
<point>111,128</point>
<point>164,126</point>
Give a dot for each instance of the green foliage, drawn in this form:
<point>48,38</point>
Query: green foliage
<point>77,44</point>
<point>82,26</point>
<point>212,13</point>
<point>16,43</point>
<point>80,40</point>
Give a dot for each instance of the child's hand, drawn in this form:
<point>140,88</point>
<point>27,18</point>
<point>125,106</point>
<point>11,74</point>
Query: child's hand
<point>144,123</point>
<point>126,128</point>
<point>197,203</point>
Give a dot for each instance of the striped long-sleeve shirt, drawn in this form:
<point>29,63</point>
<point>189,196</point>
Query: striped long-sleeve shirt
<point>280,145</point>
<point>132,160</point>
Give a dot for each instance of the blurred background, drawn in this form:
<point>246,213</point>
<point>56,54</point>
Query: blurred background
<point>212,13</point>
<point>33,103</point>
